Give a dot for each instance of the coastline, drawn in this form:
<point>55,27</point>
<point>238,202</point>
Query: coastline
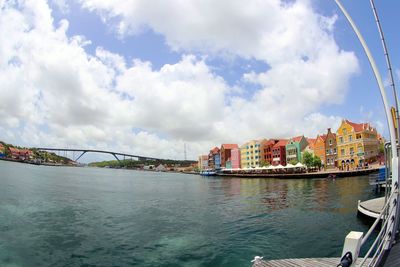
<point>36,163</point>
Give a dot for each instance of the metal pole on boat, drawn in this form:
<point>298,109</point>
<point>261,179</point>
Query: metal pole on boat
<point>382,91</point>
<point>389,65</point>
<point>392,132</point>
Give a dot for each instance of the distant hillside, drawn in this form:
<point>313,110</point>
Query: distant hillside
<point>138,164</point>
<point>43,156</point>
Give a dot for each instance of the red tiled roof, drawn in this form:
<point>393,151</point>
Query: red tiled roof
<point>358,127</point>
<point>229,146</point>
<point>14,150</point>
<point>297,138</point>
<point>272,141</point>
<point>311,140</point>
<point>281,142</point>
<point>215,150</point>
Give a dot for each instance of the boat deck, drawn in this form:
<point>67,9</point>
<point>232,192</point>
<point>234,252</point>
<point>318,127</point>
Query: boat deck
<point>306,262</point>
<point>372,207</point>
<point>393,259</point>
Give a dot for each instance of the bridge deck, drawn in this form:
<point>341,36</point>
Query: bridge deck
<point>306,262</point>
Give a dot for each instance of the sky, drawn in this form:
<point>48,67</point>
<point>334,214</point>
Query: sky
<point>148,77</point>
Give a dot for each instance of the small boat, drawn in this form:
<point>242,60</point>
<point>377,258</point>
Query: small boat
<point>332,176</point>
<point>208,173</point>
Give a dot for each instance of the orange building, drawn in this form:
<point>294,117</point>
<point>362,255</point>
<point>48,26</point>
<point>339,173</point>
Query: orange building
<point>319,148</point>
<point>311,144</point>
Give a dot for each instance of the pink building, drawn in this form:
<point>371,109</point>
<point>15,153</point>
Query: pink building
<point>235,158</point>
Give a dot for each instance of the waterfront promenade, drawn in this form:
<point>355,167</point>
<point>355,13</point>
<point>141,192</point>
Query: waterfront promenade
<point>320,174</point>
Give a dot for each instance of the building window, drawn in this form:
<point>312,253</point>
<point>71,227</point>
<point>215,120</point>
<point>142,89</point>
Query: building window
<point>341,139</point>
<point>351,150</point>
<point>330,142</point>
<point>334,150</point>
<point>342,151</point>
<point>350,138</point>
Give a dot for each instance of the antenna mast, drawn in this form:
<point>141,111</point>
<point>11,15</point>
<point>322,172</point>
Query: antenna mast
<point>389,65</point>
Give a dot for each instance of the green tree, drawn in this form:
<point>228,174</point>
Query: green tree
<point>308,159</point>
<point>317,162</point>
<point>381,148</point>
<point>264,163</point>
<point>293,162</point>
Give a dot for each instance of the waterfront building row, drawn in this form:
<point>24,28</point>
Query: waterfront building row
<point>353,145</point>
<point>15,153</point>
<point>2,151</point>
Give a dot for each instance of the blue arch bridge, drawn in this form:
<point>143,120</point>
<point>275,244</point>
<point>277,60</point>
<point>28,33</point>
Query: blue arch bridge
<point>84,151</point>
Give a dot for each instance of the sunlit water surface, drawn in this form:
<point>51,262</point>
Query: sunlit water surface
<point>65,216</point>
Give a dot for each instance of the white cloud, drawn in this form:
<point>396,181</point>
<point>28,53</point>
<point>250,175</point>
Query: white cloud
<point>61,5</point>
<point>274,31</point>
<point>54,93</point>
<point>307,68</point>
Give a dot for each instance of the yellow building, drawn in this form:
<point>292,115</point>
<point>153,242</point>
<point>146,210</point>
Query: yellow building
<point>250,154</point>
<point>357,144</point>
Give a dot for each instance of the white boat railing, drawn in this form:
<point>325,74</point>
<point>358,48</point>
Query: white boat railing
<point>382,240</point>
<point>387,219</point>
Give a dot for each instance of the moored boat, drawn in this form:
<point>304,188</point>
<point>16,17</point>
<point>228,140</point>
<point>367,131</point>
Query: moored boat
<point>208,173</point>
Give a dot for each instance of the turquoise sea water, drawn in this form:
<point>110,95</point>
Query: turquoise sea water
<point>64,216</point>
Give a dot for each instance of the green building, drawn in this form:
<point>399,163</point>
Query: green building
<point>295,147</point>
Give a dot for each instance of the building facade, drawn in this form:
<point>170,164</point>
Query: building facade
<point>214,159</point>
<point>319,148</point>
<point>279,153</point>
<point>311,145</point>
<point>203,162</point>
<point>357,144</point>
<point>250,154</point>
<point>266,150</point>
<point>331,152</point>
<point>225,151</point>
<point>235,158</point>
<point>295,148</point>
<point>2,151</point>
